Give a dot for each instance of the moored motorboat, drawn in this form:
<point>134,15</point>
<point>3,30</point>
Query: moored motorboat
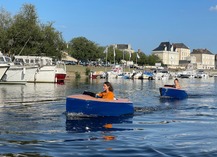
<point>147,75</point>
<point>45,72</point>
<point>96,74</point>
<point>115,71</point>
<point>87,105</point>
<point>170,92</point>
<point>162,75</point>
<point>3,69</point>
<point>201,74</point>
<point>13,74</point>
<point>60,72</point>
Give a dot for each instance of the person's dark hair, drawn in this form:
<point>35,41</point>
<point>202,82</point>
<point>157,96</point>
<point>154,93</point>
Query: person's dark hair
<point>176,79</point>
<point>110,86</point>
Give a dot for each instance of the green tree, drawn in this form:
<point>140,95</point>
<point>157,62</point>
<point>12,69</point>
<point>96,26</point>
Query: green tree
<point>110,54</point>
<point>24,35</point>
<point>101,50</point>
<point>142,60</point>
<point>24,32</point>
<point>152,59</point>
<point>84,49</point>
<point>5,23</point>
<point>52,42</point>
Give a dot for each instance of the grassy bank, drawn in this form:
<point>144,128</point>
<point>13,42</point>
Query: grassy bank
<point>73,70</point>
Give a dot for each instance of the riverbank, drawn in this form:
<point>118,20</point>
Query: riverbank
<point>73,70</point>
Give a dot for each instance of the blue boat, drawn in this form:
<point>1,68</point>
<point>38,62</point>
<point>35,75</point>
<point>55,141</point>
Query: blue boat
<point>87,105</point>
<point>169,92</point>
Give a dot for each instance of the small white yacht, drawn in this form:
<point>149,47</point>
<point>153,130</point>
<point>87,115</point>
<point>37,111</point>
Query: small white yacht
<point>162,75</point>
<point>14,74</point>
<point>201,74</point>
<point>46,71</point>
<point>115,71</point>
<point>3,68</point>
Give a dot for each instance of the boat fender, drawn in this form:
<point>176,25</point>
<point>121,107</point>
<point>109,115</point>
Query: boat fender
<point>24,71</point>
<point>37,70</point>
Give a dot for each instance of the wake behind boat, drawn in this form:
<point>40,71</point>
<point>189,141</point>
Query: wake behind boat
<point>87,105</point>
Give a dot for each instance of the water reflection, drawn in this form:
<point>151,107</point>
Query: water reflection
<point>33,123</point>
<point>93,124</point>
<point>30,93</point>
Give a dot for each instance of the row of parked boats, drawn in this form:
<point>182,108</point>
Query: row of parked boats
<point>117,72</point>
<point>32,69</point>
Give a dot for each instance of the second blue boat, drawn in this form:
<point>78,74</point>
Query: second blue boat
<point>168,92</point>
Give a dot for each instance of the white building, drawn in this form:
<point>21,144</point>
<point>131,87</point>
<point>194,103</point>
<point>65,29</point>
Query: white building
<point>204,58</point>
<point>165,51</point>
<point>124,47</point>
<point>183,50</point>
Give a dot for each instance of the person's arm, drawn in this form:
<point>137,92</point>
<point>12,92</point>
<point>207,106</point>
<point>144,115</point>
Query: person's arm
<point>99,95</point>
<point>178,86</point>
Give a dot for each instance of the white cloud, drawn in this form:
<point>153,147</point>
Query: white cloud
<point>62,26</point>
<point>213,8</point>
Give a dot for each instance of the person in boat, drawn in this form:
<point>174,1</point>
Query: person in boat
<point>107,93</point>
<point>176,84</point>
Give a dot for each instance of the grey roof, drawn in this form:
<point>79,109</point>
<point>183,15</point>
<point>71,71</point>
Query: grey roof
<point>179,45</point>
<point>184,62</point>
<point>162,46</point>
<point>122,46</point>
<point>201,51</point>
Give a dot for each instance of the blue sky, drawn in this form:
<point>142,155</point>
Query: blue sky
<point>142,23</point>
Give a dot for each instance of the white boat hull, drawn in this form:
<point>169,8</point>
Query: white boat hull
<point>14,75</point>
<point>45,74</point>
<point>42,69</point>
<point>30,72</point>
<point>3,69</point>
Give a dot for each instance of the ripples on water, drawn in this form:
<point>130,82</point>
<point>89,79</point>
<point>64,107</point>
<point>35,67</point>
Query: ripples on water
<point>33,122</point>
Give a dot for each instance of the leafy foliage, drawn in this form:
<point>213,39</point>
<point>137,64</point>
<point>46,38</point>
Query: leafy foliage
<point>23,34</point>
<point>83,49</point>
<point>5,23</point>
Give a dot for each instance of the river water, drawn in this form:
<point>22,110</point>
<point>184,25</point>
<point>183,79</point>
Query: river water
<point>33,121</point>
